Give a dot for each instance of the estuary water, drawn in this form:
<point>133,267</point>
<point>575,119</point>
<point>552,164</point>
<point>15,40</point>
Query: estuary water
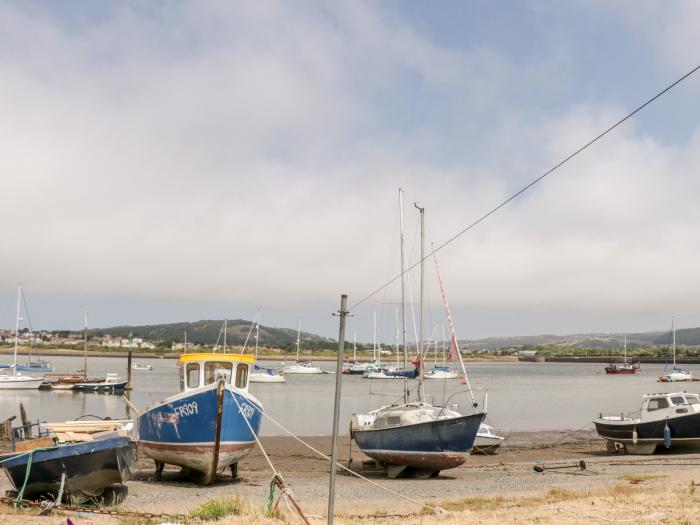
<point>521,396</point>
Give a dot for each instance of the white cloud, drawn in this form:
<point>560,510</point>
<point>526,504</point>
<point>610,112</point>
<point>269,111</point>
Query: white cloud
<point>242,152</point>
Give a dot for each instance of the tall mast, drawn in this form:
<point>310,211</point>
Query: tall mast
<point>298,338</point>
<point>354,346</point>
<point>625,348</point>
<point>673,329</point>
<point>19,296</point>
<point>185,342</point>
<point>396,338</point>
<point>403,297</point>
<point>225,330</point>
<point>85,336</point>
<point>257,336</point>
<point>422,291</point>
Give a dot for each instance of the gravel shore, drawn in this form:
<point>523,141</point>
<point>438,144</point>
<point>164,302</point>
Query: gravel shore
<point>507,474</point>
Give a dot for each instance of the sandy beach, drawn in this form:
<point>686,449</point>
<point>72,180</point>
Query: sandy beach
<point>487,489</point>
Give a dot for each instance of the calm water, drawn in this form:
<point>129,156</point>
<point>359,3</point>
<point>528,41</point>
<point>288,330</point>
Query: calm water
<point>521,396</point>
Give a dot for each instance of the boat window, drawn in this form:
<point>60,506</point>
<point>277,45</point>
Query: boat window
<point>380,422</point>
<point>215,369</point>
<point>192,375</point>
<point>393,420</point>
<point>678,400</point>
<point>241,375</point>
<point>657,403</point>
<point>693,400</point>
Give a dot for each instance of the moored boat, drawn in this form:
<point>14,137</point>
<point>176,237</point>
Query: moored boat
<point>487,441</point>
<point>668,419</point>
<point>111,383</point>
<point>10,379</point>
<point>211,424</point>
<point>623,368</point>
<point>676,374</point>
<point>301,367</point>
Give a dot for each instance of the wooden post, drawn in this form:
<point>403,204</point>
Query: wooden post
<point>26,424</point>
<point>128,370</point>
<point>221,389</point>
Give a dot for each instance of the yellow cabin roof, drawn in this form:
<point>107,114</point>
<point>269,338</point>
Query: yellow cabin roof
<point>213,356</point>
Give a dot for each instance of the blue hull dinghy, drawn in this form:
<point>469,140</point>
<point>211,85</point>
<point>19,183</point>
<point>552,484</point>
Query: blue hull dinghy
<point>91,471</point>
<point>211,424</point>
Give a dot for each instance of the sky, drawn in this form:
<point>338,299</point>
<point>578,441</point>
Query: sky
<point>174,161</point>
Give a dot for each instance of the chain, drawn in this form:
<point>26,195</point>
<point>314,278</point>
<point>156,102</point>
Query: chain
<point>130,513</point>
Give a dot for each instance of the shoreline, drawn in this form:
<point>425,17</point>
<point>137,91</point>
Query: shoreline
<point>486,489</point>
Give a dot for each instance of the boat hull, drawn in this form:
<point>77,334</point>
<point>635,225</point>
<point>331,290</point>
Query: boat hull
<point>100,387</point>
<point>433,445</point>
<point>266,378</point>
<point>618,371</point>
<point>182,430</point>
<point>90,468</point>
<point>685,430</point>
<point>25,383</point>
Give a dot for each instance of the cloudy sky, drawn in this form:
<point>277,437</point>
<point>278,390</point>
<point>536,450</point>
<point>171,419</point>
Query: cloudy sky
<point>170,161</point>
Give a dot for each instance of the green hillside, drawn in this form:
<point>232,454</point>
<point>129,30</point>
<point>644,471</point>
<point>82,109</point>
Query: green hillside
<point>208,331</point>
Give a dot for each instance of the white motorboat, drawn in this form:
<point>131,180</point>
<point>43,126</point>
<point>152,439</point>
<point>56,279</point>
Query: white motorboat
<point>13,380</point>
<point>487,441</point>
<point>669,419</point>
<point>141,367</point>
<point>301,367</point>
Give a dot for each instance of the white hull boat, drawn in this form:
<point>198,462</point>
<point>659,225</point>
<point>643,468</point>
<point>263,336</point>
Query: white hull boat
<point>13,380</point>
<point>487,441</point>
<point>441,373</point>
<point>266,378</point>
<point>19,382</point>
<point>302,368</point>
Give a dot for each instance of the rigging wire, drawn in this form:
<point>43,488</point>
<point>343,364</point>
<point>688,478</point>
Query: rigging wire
<point>529,185</point>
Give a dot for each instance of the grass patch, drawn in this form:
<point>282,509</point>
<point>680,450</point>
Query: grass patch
<point>482,503</point>
<point>642,476</point>
<point>217,509</point>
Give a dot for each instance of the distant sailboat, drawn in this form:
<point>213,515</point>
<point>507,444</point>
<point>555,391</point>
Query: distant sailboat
<point>623,368</point>
<point>14,380</point>
<point>676,374</point>
<point>261,374</point>
<point>301,367</point>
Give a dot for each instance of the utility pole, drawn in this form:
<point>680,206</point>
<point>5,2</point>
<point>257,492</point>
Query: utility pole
<point>342,313</point>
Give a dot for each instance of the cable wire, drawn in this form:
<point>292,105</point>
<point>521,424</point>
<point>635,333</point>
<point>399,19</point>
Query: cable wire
<point>529,185</point>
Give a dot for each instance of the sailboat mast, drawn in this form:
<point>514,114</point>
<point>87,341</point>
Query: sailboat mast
<point>374,336</point>
<point>185,342</point>
<point>403,296</point>
<point>298,338</point>
<point>422,291</point>
<point>19,296</point>
<point>625,348</point>
<point>354,346</point>
<point>85,343</point>
<point>396,339</point>
<point>225,331</point>
<point>673,329</point>
<point>257,336</point>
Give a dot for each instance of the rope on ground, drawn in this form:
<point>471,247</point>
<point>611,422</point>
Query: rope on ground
<point>436,510</point>
<point>277,479</point>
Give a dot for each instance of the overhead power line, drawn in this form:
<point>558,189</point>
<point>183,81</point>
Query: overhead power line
<point>530,184</point>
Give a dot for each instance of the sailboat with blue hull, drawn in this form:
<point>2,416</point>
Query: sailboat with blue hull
<point>211,424</point>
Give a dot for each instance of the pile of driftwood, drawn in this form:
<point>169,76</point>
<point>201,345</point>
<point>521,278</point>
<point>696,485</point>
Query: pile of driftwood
<point>78,431</point>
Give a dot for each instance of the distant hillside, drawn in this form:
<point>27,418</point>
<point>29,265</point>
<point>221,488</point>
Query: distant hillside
<point>207,332</point>
<point>684,337</point>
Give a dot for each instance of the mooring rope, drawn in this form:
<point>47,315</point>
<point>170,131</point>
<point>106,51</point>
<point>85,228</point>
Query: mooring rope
<point>277,479</point>
<point>436,510</point>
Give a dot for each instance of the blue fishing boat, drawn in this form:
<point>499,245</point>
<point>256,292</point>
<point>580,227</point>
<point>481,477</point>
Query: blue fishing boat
<point>35,366</point>
<point>211,424</point>
<point>110,384</point>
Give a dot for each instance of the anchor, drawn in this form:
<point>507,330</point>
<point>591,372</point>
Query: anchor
<point>581,465</point>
